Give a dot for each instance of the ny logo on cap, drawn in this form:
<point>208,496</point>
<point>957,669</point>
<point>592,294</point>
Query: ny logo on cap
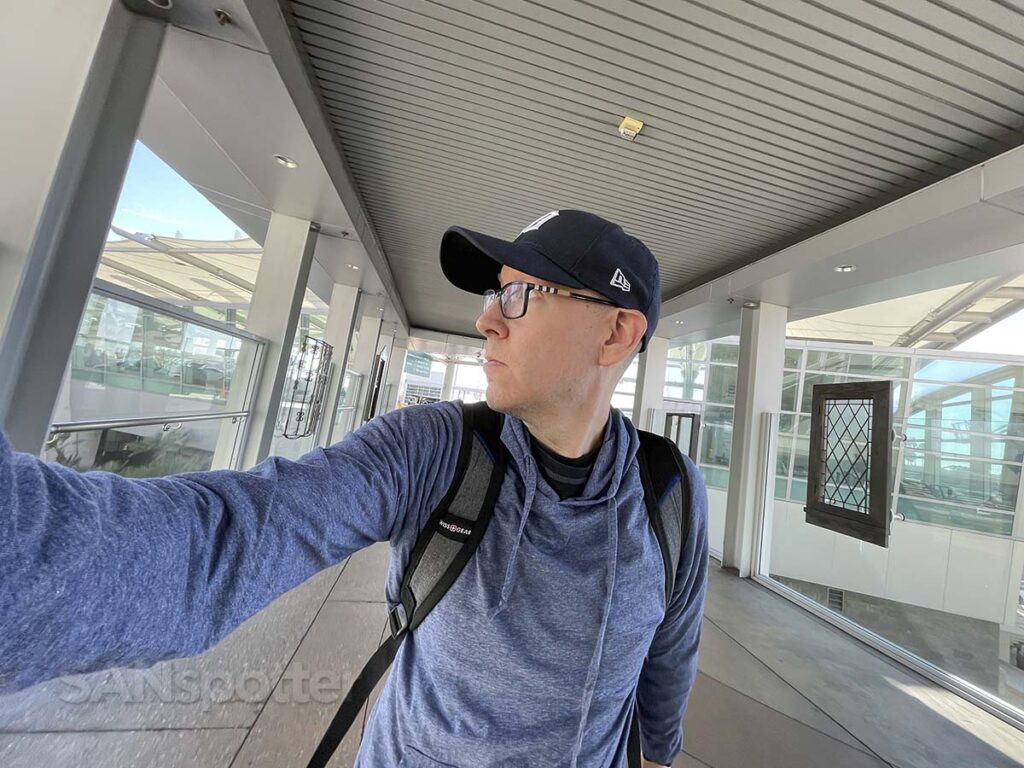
<point>619,281</point>
<point>539,222</point>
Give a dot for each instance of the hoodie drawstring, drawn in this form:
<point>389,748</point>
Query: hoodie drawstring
<point>510,570</point>
<point>611,552</point>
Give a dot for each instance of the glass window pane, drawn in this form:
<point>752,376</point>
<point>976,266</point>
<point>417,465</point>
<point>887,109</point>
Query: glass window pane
<point>725,353</point>
<point>827,361</point>
<point>970,372</point>
<point>716,445</point>
<point>784,455</point>
<point>882,366</point>
<point>975,410</point>
<point>956,515</point>
<point>963,481</point>
<point>716,414</point>
<point>715,477</point>
<point>131,361</point>
<point>790,383</point>
<point>801,456</point>
<point>810,381</point>
<point>793,357</point>
<point>798,491</point>
<point>722,385</point>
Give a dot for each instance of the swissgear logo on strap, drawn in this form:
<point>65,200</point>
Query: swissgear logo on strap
<point>455,528</point>
<point>619,281</point>
<point>539,222</point>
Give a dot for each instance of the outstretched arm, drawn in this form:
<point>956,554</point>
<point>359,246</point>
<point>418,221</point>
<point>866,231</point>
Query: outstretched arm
<point>97,570</point>
<point>671,665</point>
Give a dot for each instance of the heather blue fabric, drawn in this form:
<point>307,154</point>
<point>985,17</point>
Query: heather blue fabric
<point>531,659</point>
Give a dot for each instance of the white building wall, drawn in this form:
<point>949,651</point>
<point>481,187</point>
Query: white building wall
<point>961,572</point>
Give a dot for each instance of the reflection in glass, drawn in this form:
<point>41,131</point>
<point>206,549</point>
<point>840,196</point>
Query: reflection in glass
<point>716,445</point>
<point>134,451</point>
<point>725,353</point>
<point>790,384</point>
<point>722,385</point>
<point>131,361</point>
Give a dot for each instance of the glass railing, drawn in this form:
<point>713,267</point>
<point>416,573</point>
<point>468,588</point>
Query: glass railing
<point>152,388</point>
<point>345,417</point>
<point>144,447</point>
<point>947,595</point>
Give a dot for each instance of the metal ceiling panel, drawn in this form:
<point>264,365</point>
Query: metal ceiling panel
<point>765,122</point>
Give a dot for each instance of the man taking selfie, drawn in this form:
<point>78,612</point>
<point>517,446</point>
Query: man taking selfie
<point>561,629</point>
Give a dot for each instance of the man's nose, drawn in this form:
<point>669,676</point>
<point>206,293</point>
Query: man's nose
<point>491,323</point>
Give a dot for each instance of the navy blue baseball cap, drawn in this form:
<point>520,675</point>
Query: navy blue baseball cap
<point>571,248</point>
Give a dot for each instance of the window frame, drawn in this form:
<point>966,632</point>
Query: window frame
<point>873,526</point>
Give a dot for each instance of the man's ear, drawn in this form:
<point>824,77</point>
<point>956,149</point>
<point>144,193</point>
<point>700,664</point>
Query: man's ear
<point>625,330</point>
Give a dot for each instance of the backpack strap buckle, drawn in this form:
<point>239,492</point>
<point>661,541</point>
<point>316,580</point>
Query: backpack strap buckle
<point>398,620</point>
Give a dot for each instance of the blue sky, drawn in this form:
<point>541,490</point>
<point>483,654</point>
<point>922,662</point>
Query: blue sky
<point>155,200</point>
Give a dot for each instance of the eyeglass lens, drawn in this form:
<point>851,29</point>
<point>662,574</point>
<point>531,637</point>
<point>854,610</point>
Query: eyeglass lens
<point>513,300</point>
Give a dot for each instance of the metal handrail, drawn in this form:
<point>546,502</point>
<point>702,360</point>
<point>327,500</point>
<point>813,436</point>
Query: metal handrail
<point>145,421</point>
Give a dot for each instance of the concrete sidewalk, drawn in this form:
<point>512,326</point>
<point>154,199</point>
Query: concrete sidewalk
<point>777,688</point>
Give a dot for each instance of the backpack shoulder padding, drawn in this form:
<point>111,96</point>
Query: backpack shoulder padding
<point>666,496</point>
<point>454,529</point>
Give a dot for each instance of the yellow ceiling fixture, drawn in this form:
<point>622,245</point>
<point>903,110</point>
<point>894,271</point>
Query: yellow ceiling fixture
<point>630,127</point>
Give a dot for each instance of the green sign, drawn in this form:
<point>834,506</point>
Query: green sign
<point>418,364</point>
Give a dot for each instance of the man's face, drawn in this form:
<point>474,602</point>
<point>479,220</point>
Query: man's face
<point>546,357</point>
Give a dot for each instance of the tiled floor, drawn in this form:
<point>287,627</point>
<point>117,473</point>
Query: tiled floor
<point>777,688</point>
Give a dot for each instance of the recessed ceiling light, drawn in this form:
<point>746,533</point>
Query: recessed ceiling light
<point>750,305</point>
<point>679,322</point>
<point>352,266</point>
<point>844,268</point>
<point>287,162</point>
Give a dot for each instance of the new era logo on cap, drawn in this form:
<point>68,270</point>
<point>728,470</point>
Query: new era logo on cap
<point>619,281</point>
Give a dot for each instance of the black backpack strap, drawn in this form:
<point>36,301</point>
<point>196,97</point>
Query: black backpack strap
<point>444,546</point>
<point>454,530</point>
<point>667,498</point>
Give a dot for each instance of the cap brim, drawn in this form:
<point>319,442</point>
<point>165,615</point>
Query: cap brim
<point>471,261</point>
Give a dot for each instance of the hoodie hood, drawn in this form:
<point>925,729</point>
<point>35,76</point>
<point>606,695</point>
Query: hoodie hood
<point>618,447</point>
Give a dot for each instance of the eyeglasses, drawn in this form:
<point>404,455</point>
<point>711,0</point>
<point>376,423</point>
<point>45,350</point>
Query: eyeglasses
<point>514,298</point>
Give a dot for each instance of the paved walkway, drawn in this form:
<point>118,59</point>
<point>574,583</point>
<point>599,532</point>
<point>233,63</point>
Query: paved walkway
<point>777,688</point>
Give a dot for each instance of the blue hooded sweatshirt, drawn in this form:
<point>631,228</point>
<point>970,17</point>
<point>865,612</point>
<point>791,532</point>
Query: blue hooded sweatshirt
<point>534,658</point>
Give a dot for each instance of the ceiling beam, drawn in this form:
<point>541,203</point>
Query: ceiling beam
<point>154,244</point>
<point>163,285</point>
<point>949,310</point>
<point>1009,292</point>
<point>974,317</point>
<point>289,59</point>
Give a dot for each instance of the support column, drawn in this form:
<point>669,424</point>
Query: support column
<point>449,380</point>
<point>274,314</point>
<point>396,365</point>
<point>341,322</point>
<point>758,391</point>
<point>650,382</point>
<point>75,78</point>
<point>362,359</point>
<point>387,343</point>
